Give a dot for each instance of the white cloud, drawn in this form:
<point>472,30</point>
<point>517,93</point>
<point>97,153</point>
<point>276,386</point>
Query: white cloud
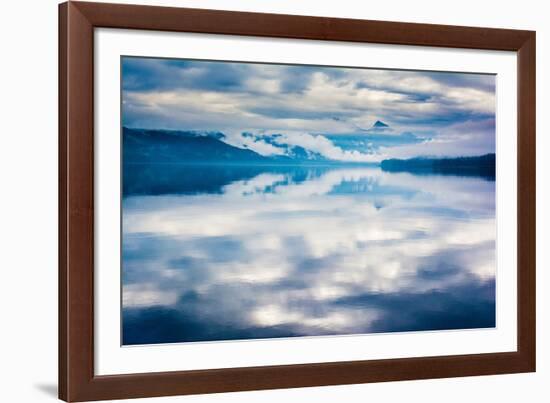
<point>315,143</point>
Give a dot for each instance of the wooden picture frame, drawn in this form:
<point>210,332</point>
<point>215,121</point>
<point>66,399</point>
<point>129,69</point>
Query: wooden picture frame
<point>77,21</point>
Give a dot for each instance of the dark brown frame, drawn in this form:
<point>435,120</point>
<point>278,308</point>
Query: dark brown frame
<point>77,21</point>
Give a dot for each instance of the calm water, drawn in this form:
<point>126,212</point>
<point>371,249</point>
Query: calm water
<point>220,253</point>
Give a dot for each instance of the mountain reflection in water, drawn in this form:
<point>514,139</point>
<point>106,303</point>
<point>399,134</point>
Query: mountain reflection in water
<point>246,252</point>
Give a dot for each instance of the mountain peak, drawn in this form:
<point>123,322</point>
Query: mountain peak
<point>379,124</point>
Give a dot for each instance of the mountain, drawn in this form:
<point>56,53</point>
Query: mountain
<point>191,147</point>
<point>380,127</point>
<point>182,147</point>
<point>379,124</point>
<point>483,165</point>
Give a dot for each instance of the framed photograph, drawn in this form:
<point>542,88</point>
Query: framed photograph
<point>256,201</point>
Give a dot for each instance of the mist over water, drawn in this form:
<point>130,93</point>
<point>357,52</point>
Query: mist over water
<point>231,252</point>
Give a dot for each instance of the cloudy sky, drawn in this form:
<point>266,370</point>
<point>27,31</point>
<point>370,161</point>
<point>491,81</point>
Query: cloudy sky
<point>428,113</point>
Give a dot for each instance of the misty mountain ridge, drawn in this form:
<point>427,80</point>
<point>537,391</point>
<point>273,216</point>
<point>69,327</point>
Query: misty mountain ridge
<point>165,146</point>
<point>195,147</point>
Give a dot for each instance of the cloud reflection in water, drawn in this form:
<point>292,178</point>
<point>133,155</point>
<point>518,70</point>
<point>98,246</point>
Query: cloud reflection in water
<point>307,252</point>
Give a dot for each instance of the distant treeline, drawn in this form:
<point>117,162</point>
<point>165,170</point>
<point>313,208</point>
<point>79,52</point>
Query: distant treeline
<point>483,166</point>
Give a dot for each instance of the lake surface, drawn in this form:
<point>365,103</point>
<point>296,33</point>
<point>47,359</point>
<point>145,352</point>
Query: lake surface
<point>247,252</point>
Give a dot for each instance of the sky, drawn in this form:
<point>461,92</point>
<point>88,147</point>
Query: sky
<point>327,110</point>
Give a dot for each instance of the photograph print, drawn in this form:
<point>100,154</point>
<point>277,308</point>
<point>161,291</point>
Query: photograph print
<point>279,201</point>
